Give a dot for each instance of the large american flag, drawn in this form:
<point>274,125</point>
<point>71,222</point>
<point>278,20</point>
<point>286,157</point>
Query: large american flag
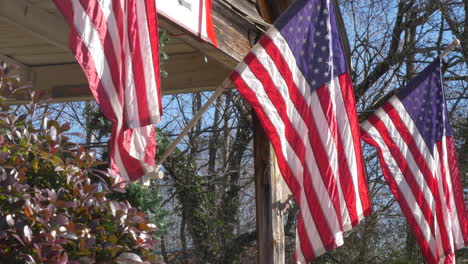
<point>418,158</point>
<point>296,80</point>
<point>116,44</point>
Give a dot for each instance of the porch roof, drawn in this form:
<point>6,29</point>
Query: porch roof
<point>34,36</point>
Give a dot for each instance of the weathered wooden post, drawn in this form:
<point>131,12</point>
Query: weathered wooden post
<point>271,190</point>
<point>271,194</point>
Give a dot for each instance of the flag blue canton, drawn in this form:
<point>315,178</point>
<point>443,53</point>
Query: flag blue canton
<point>310,29</point>
<point>424,100</point>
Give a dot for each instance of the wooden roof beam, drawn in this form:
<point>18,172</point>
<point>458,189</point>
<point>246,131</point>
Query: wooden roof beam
<point>189,72</point>
<point>272,9</point>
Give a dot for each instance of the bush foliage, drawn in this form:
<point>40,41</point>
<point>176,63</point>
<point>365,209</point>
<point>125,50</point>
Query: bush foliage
<point>55,207</point>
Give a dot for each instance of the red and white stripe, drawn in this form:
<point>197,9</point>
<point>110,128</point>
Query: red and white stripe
<point>316,139</point>
<point>426,186</point>
<point>116,44</point>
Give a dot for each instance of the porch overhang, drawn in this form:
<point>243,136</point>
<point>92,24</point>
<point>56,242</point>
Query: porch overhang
<point>34,37</point>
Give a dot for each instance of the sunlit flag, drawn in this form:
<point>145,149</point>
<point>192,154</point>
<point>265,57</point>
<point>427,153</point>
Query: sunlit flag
<point>297,82</point>
<point>418,158</point>
<point>116,44</point>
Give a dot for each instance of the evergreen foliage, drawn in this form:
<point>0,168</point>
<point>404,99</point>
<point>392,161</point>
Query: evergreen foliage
<point>50,209</point>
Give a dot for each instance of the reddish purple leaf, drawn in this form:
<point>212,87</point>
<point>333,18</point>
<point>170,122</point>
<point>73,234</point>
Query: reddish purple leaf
<point>60,220</point>
<point>63,259</point>
<point>30,259</point>
<point>18,238</point>
<point>64,204</point>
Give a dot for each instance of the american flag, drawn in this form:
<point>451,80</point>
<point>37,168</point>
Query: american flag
<point>116,44</point>
<point>297,82</point>
<point>418,158</point>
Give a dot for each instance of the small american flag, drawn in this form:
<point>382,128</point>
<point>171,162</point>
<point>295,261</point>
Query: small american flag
<point>296,80</point>
<point>116,44</point>
<point>418,158</point>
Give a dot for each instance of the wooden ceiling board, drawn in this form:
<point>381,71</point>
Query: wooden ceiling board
<point>176,46</point>
<point>47,5</point>
<point>27,48</point>
<point>12,35</point>
<point>51,58</point>
<point>192,70</point>
<point>36,21</point>
<point>19,42</point>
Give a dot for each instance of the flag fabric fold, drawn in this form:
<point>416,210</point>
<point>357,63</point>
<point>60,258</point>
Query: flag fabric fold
<point>412,135</point>
<point>297,82</point>
<point>116,43</point>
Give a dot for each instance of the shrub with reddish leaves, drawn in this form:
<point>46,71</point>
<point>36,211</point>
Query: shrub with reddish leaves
<point>54,204</point>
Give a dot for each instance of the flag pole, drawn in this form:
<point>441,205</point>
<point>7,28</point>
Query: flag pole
<point>450,48</point>
<point>155,173</point>
<point>226,83</point>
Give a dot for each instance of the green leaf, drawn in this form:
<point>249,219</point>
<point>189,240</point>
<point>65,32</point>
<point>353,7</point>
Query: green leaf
<point>113,239</point>
<point>35,165</point>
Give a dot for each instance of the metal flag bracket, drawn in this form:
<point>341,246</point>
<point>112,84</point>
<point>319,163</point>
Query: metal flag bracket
<point>156,174</point>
